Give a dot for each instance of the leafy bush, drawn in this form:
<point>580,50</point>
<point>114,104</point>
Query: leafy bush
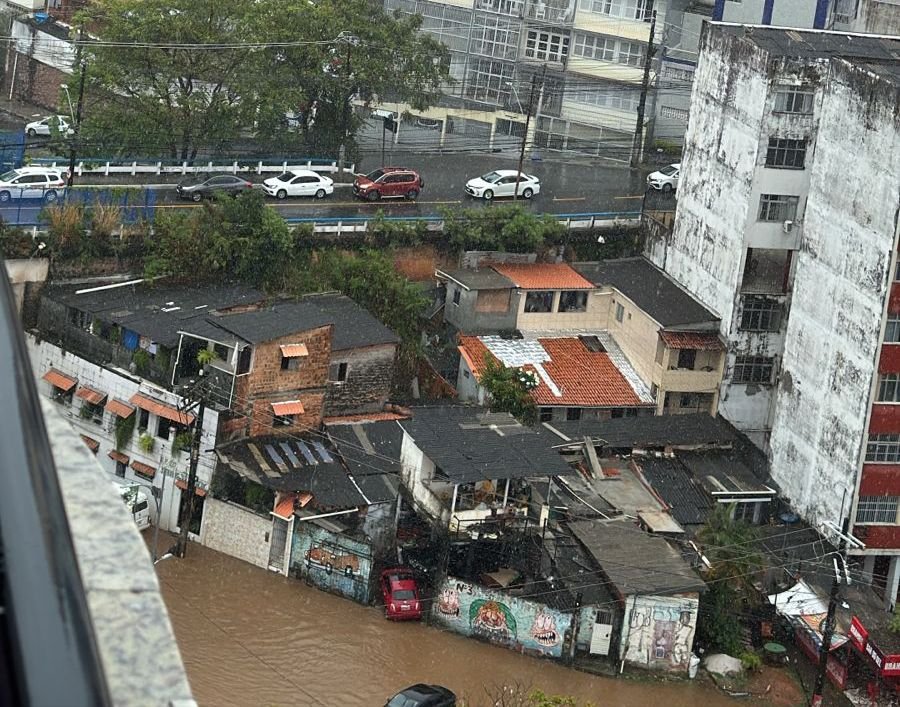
<point>124,430</point>
<point>508,389</point>
<point>65,229</point>
<point>751,661</point>
<point>507,228</point>
<point>146,442</point>
<point>141,360</point>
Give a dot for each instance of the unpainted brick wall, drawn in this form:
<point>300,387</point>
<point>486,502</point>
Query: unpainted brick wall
<point>367,387</point>
<point>36,82</point>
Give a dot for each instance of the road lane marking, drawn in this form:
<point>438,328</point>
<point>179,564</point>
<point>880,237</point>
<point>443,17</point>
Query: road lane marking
<point>568,198</point>
<point>637,196</point>
<point>316,204</point>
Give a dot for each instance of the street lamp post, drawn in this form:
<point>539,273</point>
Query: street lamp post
<point>65,87</point>
<point>158,493</point>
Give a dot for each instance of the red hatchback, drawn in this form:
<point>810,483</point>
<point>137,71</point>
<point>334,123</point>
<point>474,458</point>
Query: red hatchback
<point>401,594</point>
<point>388,182</point>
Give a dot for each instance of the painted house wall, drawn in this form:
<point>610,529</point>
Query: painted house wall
<point>417,472</point>
<point>122,385</point>
<point>841,284</point>
<point>519,624</point>
<point>332,561</point>
<point>594,318</point>
<point>236,531</point>
<point>658,632</point>
<point>472,317</point>
<point>637,335</point>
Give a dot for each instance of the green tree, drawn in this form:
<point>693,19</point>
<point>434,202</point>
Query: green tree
<point>729,545</point>
<point>508,389</point>
<point>507,228</point>
<point>156,86</point>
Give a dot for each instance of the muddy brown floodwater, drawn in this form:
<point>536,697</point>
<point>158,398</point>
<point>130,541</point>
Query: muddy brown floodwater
<point>251,637</point>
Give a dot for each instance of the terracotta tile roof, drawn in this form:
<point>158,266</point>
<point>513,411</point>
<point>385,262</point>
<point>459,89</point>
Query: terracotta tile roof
<point>144,469</point>
<point>543,276</point>
<point>583,378</point>
<point>285,507</point>
<point>91,395</point>
<point>702,341</point>
<point>289,407</point>
<point>161,409</point>
<point>118,456</point>
<point>92,443</point>
<point>294,350</point>
<point>120,408</point>
<point>183,486</point>
<point>59,380</point>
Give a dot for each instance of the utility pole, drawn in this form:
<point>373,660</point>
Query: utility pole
<point>187,510</point>
<point>534,80</point>
<point>637,148</point>
<point>828,624</point>
<point>76,129</point>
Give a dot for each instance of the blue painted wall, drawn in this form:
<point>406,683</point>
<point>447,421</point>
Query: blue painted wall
<point>332,562</point>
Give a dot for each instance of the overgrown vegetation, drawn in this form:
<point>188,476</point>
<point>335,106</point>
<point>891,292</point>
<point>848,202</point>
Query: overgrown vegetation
<point>507,228</point>
<point>519,695</point>
<point>508,389</point>
<point>124,430</point>
<point>228,486</point>
<point>729,545</point>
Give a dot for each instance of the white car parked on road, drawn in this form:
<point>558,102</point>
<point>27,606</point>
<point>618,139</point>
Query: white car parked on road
<point>299,182</point>
<point>47,125</point>
<point>502,182</point>
<point>31,183</point>
<point>665,179</point>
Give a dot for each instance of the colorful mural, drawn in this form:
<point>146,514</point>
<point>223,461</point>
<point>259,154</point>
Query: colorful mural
<point>658,632</point>
<point>473,610</point>
<point>332,562</point>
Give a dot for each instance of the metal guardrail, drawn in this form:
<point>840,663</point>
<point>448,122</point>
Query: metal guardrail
<point>54,657</point>
<point>133,167</point>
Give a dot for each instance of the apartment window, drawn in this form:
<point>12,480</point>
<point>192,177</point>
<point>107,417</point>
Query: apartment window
<point>786,153</point>
<point>892,329</point>
<point>673,72</point>
<point>162,428</point>
<point>889,388</point>
<point>337,372</point>
<point>877,509</point>
<point>283,420</point>
<point>291,363</point>
<point>883,448</point>
<point>626,9</point>
<point>506,7</point>
<point>573,301</point>
<point>753,369</point>
<point>618,97</point>
<point>674,113</point>
<point>486,81</point>
<point>539,302</point>
<point>760,314</point>
<point>495,36</point>
<point>573,414</point>
<point>794,100</point>
<point>546,46</point>
<point>687,358</point>
<point>143,420</point>
<point>778,207</point>
<point>120,469</point>
<point>545,414</point>
<point>244,357</point>
<point>897,271</point>
<point>608,49</point>
<point>456,296</point>
<point>620,313</point>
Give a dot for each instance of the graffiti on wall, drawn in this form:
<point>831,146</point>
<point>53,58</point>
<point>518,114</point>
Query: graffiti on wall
<point>331,561</point>
<point>473,610</point>
<point>659,631</point>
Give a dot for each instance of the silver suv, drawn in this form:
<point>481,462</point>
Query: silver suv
<point>31,183</point>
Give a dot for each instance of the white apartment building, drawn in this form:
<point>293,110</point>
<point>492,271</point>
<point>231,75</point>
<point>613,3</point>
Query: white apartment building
<point>787,229</point>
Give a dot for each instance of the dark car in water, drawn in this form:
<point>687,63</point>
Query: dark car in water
<point>205,186</point>
<point>422,695</point>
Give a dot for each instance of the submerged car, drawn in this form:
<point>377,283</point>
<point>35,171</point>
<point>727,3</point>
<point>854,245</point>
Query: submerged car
<point>299,182</point>
<point>422,695</point>
<point>205,185</point>
<point>502,182</point>
<point>665,179</point>
<point>401,594</point>
<point>388,182</point>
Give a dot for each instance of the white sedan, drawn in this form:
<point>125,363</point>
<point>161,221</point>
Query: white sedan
<point>665,179</point>
<point>49,125</point>
<point>299,182</point>
<point>502,182</point>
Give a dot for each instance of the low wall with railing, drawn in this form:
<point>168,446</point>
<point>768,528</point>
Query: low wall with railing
<point>133,167</point>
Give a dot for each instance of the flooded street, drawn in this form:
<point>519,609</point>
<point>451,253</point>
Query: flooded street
<point>249,637</point>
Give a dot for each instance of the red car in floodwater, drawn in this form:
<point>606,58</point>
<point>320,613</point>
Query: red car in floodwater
<point>401,594</point>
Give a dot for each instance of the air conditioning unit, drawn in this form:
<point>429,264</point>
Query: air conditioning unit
<point>787,226</point>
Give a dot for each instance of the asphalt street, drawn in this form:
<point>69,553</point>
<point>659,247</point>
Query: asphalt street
<point>567,187</point>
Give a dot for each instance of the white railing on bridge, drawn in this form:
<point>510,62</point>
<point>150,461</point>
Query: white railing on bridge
<point>182,168</point>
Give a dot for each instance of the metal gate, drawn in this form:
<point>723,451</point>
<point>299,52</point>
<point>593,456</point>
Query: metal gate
<point>602,633</point>
<point>278,544</point>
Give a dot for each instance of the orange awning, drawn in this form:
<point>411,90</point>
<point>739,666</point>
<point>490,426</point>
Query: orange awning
<point>183,486</point>
<point>144,469</point>
<point>118,456</point>
<point>161,409</point>
<point>92,443</point>
<point>294,350</point>
<point>120,408</point>
<point>59,380</point>
<point>289,407</point>
<point>91,395</point>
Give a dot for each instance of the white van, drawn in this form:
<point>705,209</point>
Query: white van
<point>137,502</point>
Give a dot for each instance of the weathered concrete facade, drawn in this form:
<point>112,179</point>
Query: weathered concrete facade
<point>236,531</point>
<point>359,380</point>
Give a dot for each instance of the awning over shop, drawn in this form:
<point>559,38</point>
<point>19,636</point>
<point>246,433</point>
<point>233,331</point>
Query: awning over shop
<point>183,486</point>
<point>144,469</point>
<point>91,443</point>
<point>294,350</point>
<point>806,609</point>
<point>60,380</point>
<point>289,407</point>
<point>161,409</point>
<point>90,395</point>
<point>118,457</point>
<point>119,408</point>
